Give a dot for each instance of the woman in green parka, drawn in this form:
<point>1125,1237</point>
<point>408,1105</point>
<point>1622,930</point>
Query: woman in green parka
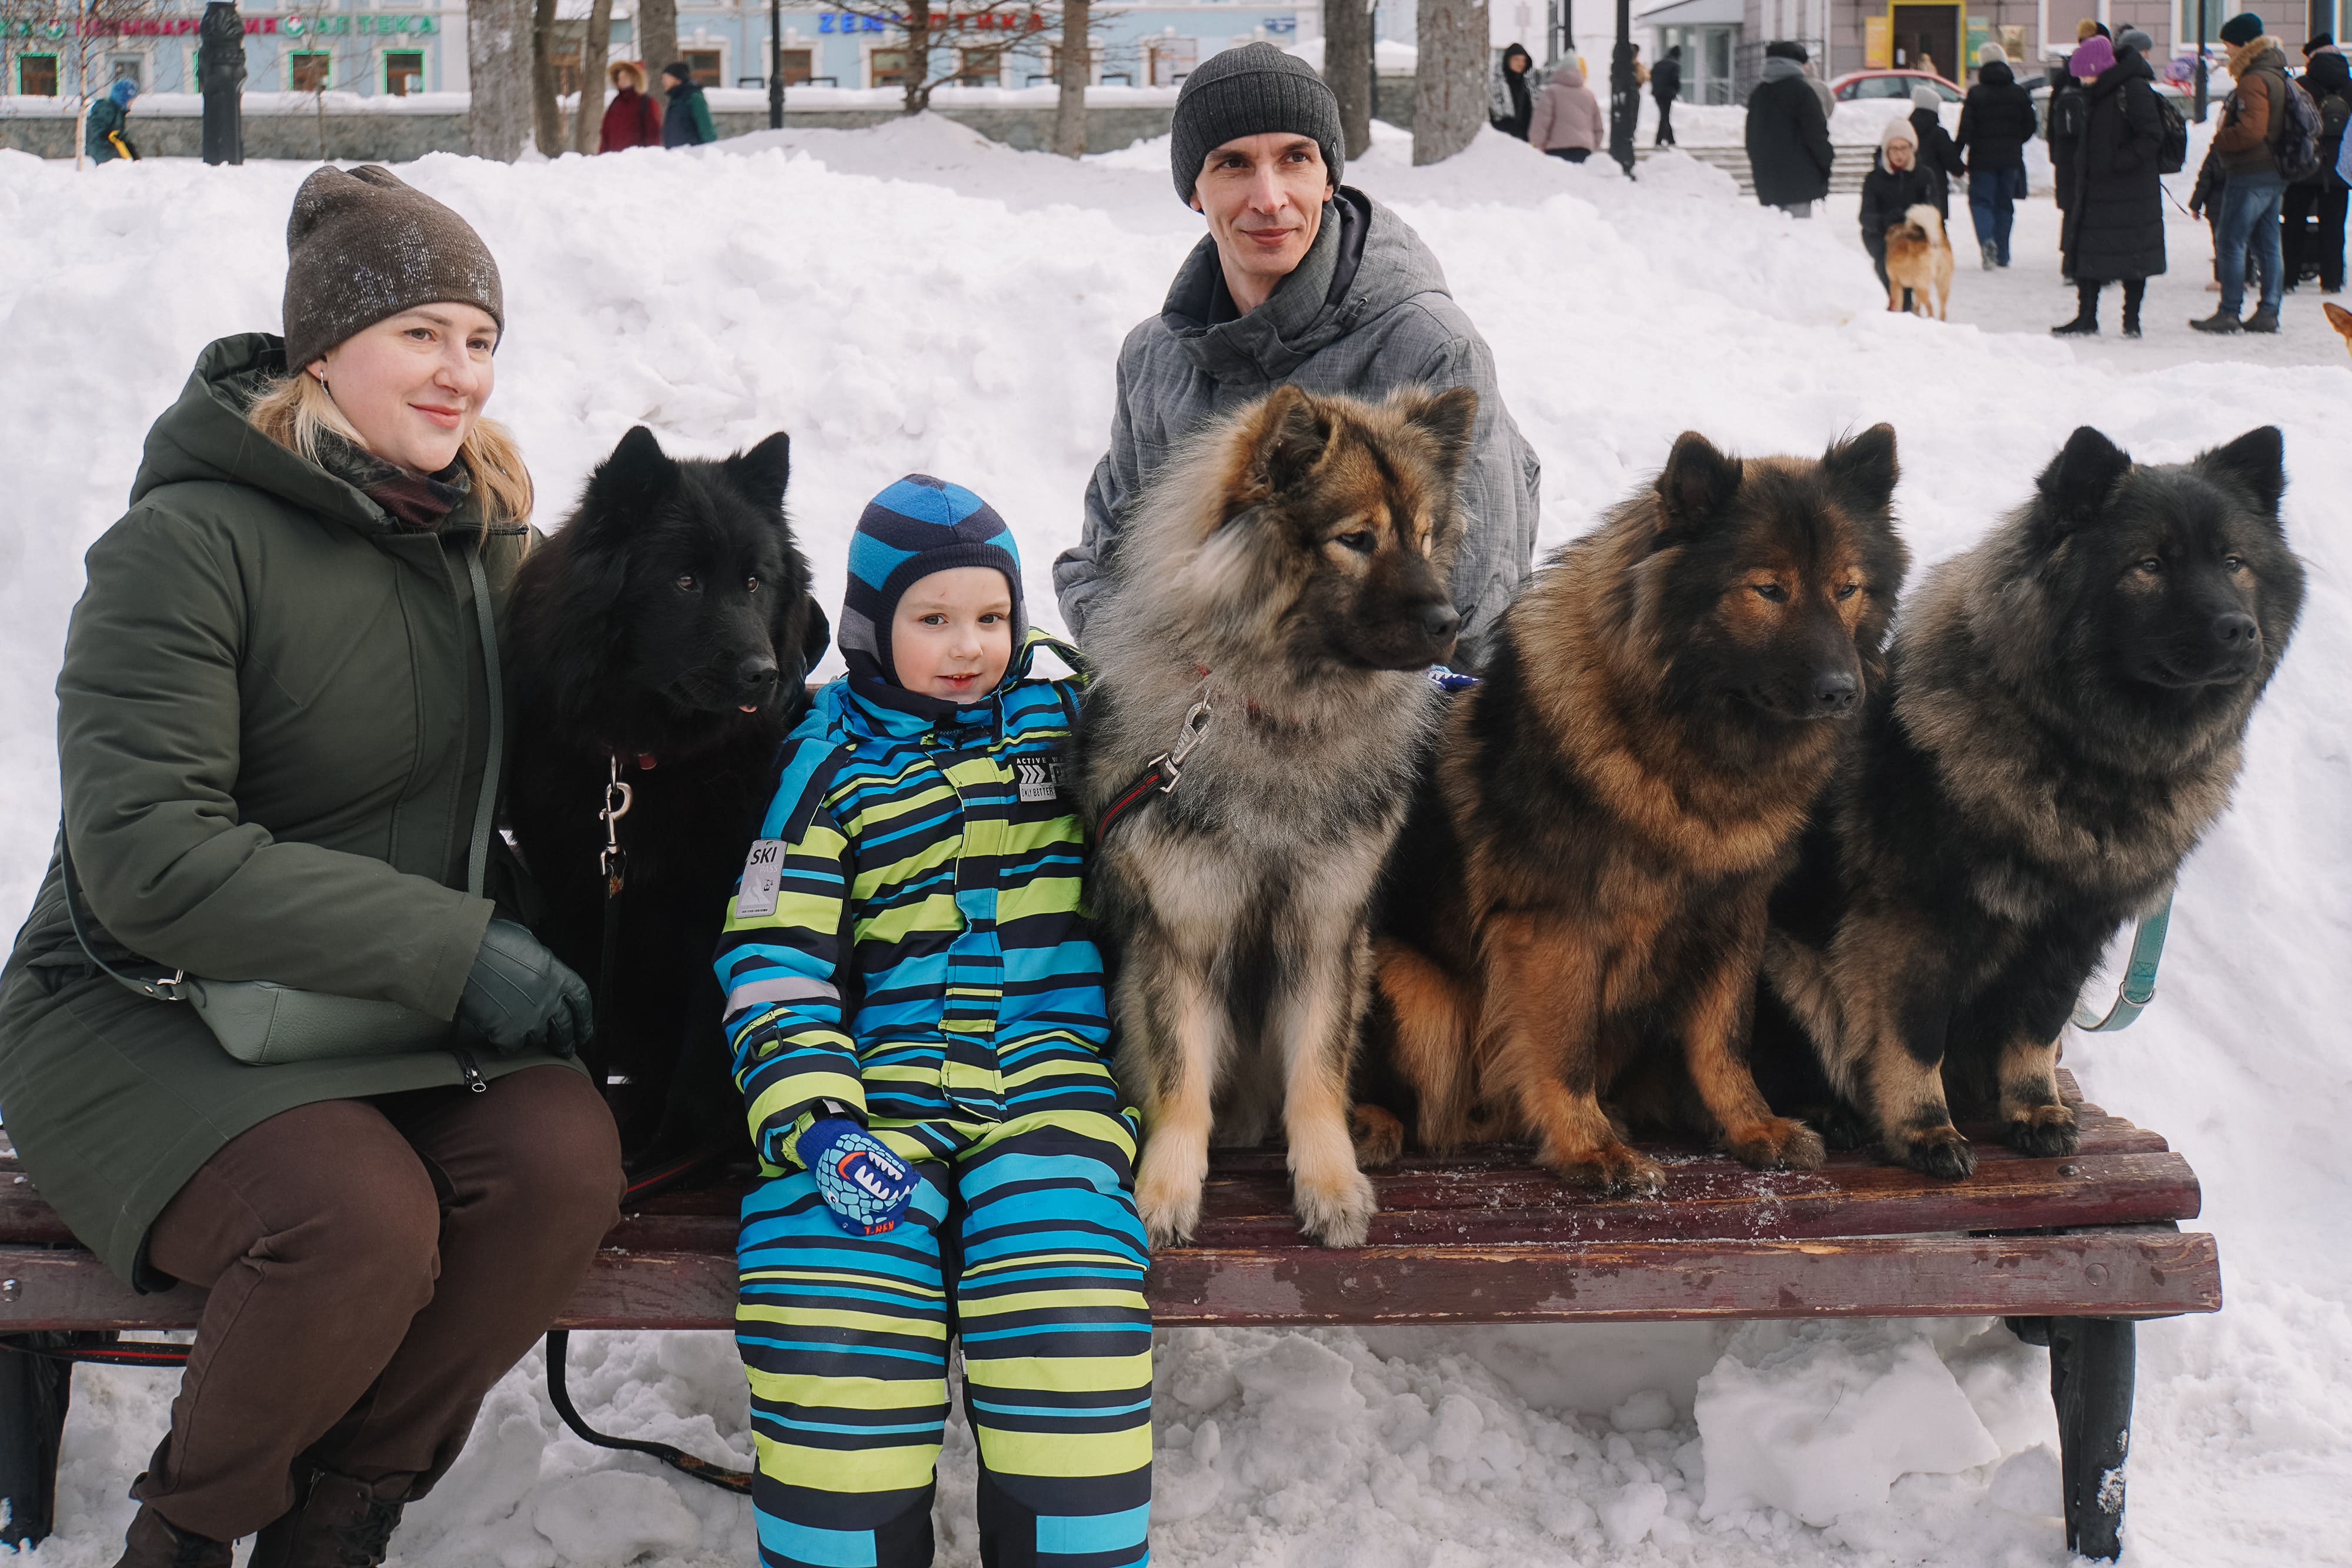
<point>274,728</point>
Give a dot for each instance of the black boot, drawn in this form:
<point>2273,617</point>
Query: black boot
<point>2133,294</point>
<point>339,1523</point>
<point>2221,321</point>
<point>152,1542</point>
<point>2264,320</point>
<point>2086,323</point>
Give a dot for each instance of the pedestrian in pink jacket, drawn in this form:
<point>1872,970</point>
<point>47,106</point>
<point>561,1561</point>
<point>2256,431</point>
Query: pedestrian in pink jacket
<point>1567,121</point>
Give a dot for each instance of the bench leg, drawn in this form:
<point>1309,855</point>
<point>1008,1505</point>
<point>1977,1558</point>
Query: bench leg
<point>2091,1370</point>
<point>33,1393</point>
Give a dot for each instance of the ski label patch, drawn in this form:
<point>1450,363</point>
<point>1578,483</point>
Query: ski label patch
<point>1040,778</point>
<point>763,876</point>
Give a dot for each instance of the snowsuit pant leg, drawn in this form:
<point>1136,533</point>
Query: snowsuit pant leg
<point>374,1268</point>
<point>1023,1241</point>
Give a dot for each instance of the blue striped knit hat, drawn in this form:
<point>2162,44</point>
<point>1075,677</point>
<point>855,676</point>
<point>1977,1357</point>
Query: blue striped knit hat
<point>916,527</point>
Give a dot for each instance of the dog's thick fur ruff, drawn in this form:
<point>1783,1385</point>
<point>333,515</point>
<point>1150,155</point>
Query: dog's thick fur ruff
<point>1920,258</point>
<point>2063,720</point>
<point>1577,909</point>
<point>616,655</point>
<point>1289,568</point>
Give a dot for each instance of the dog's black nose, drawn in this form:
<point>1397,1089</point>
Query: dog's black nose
<point>756,676</point>
<point>1835,691</point>
<point>2234,631</point>
<point>1440,621</point>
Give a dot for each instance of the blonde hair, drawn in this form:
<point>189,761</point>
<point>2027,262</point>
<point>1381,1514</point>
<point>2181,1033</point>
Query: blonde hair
<point>298,410</point>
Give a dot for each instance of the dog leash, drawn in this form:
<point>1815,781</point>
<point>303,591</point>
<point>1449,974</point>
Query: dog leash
<point>613,860</point>
<point>2138,986</point>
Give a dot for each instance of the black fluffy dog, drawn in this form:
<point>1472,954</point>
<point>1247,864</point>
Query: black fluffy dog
<point>2064,718</point>
<point>669,626</point>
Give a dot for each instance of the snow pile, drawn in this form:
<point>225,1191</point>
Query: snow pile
<point>915,297</point>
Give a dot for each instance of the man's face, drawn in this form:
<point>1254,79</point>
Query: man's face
<point>1264,197</point>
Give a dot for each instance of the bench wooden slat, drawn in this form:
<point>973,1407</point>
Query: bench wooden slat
<point>2113,1271</point>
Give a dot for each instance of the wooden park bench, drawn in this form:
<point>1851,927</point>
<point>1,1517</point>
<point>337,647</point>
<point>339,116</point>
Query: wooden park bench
<point>2071,1251</point>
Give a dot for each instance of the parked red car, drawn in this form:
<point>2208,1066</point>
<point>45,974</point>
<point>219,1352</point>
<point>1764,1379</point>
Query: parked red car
<point>1871,84</point>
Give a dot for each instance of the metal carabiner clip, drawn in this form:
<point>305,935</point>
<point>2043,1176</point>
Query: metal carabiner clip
<point>1195,727</point>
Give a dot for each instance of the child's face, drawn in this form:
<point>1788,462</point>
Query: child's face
<point>952,636</point>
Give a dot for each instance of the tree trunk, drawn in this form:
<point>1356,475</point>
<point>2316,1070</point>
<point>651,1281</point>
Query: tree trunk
<point>1077,66</point>
<point>588,124</point>
<point>1348,69</point>
<point>656,38</point>
<point>1449,95</point>
<point>497,57</point>
<point>547,117</point>
<point>919,57</point>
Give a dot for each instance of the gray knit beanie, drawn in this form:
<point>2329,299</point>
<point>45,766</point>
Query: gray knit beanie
<point>363,246</point>
<point>1248,92</point>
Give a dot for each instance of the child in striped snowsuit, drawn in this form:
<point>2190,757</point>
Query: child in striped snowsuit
<point>919,1028</point>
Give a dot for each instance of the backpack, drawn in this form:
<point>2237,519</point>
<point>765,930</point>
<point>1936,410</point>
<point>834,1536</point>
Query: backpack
<point>2298,152</point>
<point>2066,113</point>
<point>2172,152</point>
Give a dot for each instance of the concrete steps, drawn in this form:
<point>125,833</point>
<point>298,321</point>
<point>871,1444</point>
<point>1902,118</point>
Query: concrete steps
<point>1845,174</point>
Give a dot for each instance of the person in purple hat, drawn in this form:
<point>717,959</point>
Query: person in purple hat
<point>2115,221</point>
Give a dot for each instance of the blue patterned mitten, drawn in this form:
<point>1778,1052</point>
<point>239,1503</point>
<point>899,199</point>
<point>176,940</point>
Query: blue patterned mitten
<point>867,1187</point>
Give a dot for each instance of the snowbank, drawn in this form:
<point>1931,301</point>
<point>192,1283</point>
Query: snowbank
<point>917,297</point>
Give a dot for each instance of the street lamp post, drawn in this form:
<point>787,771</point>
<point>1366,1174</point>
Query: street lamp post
<point>1624,93</point>
<point>775,65</point>
<point>2201,62</point>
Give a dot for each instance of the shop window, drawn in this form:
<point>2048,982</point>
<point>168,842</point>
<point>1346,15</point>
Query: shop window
<point>798,65</point>
<point>37,75</point>
<point>708,66</point>
<point>310,72</point>
<point>889,68</point>
<point>1170,60</point>
<point>131,69</point>
<point>404,73</point>
<point>980,68</point>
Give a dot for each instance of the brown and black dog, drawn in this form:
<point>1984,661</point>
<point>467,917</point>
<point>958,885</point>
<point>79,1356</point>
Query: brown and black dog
<point>1584,883</point>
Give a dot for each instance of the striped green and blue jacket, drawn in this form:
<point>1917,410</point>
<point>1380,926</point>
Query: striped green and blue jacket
<point>908,937</point>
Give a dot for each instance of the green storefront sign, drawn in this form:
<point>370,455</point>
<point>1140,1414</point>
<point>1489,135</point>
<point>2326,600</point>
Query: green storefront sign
<point>375,24</point>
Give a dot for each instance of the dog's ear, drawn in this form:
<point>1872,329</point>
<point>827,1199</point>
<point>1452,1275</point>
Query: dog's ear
<point>1696,483</point>
<point>1287,434</point>
<point>763,473</point>
<point>627,487</point>
<point>816,639</point>
<point>2255,462</point>
<point>1449,418</point>
<point>2082,475</point>
<point>1862,468</point>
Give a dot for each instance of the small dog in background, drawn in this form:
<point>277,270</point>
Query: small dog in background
<point>1919,258</point>
<point>2338,318</point>
<point>1260,689</point>
<point>667,629</point>
<point>1576,907</point>
<point>2064,718</point>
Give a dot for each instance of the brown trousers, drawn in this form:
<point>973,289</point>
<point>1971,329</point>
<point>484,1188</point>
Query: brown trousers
<point>375,1266</point>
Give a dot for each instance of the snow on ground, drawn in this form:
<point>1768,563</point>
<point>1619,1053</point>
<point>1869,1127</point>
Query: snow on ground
<point>915,297</point>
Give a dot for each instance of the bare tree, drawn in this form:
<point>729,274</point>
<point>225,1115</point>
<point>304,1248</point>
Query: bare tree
<point>85,35</point>
<point>938,43</point>
<point>1074,69</point>
<point>546,115</point>
<point>657,38</point>
<point>1449,94</point>
<point>588,120</point>
<point>1348,47</point>
<point>498,59</point>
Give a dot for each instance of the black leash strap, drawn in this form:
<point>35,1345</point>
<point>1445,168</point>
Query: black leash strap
<point>102,1349</point>
<point>1163,773</point>
<point>1153,779</point>
<point>559,1345</point>
<point>614,861</point>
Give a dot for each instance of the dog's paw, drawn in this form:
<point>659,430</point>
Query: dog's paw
<point>1378,1135</point>
<point>1170,1204</point>
<point>1612,1168</point>
<point>2043,1132</point>
<point>1937,1151</point>
<point>1782,1144</point>
<point>1336,1211</point>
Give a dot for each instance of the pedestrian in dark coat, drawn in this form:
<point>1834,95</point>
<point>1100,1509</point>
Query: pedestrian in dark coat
<point>686,122</point>
<point>1509,101</point>
<point>1896,182</point>
<point>2329,80</point>
<point>107,135</point>
<point>275,738</point>
<point>1996,123</point>
<point>632,119</point>
<point>1665,85</point>
<point>2062,129</point>
<point>1789,151</point>
<point>2115,226</point>
<point>1938,155</point>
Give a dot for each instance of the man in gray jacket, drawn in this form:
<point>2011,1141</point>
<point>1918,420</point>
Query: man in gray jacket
<point>1300,279</point>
